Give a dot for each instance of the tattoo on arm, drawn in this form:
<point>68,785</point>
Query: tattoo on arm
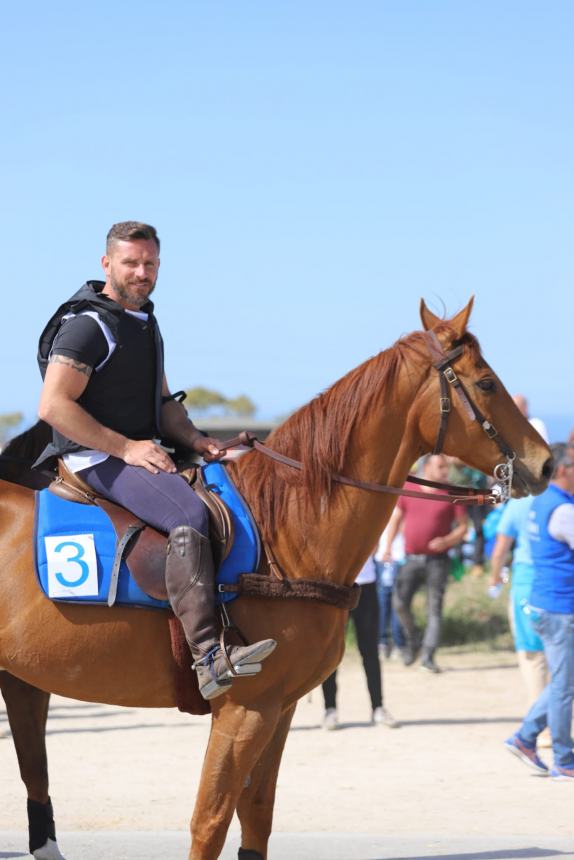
<point>71,362</point>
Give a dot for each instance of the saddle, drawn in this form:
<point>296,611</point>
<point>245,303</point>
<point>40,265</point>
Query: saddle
<point>145,546</point>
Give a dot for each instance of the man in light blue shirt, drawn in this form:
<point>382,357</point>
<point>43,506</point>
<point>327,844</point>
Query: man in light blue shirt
<point>512,532</point>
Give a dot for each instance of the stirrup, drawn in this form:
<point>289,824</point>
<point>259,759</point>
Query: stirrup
<point>213,686</point>
<point>231,669</point>
<point>235,670</point>
<point>249,664</point>
<point>207,661</point>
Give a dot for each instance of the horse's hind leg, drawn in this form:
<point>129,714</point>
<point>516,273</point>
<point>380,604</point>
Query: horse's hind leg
<point>255,806</point>
<point>27,709</point>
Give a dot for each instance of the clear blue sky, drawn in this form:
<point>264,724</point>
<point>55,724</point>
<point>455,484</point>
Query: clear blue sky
<point>312,168</point>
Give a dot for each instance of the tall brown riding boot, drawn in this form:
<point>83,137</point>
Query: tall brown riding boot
<point>190,581</point>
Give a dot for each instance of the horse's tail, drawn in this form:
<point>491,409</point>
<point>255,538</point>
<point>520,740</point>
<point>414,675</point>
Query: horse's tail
<point>29,445</point>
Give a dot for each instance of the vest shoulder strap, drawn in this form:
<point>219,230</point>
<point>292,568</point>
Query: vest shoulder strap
<point>84,299</point>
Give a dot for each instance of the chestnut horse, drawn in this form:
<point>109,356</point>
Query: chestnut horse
<point>371,425</point>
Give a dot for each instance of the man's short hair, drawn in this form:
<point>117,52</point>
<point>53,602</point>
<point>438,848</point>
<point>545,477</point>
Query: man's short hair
<point>129,231</point>
<point>562,454</point>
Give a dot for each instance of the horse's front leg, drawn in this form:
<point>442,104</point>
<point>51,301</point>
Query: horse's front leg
<point>27,709</point>
<point>255,807</point>
<point>239,733</point>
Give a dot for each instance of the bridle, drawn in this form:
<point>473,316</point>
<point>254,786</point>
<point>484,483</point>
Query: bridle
<point>442,363</point>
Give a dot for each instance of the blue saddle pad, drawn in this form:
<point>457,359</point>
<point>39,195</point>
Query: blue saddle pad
<point>246,550</point>
<point>75,548</point>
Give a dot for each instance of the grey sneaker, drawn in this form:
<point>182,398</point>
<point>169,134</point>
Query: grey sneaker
<point>330,721</point>
<point>429,665</point>
<point>385,649</point>
<point>215,676</point>
<point>408,655</point>
<point>383,717</point>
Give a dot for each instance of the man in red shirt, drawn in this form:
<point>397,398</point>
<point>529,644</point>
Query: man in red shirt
<point>429,530</point>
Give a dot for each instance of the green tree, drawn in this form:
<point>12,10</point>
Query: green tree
<point>200,399</point>
<point>241,405</point>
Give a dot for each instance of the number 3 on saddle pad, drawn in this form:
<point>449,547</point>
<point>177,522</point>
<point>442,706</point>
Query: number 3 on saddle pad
<point>71,565</point>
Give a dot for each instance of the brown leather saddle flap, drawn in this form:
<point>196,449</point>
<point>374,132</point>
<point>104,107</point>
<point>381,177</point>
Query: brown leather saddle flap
<point>221,529</point>
<point>145,554</point>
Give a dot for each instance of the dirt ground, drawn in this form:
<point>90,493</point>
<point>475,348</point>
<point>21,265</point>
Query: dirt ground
<point>444,772</point>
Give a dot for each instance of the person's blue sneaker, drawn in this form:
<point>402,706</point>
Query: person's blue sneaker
<point>563,773</point>
<point>525,753</point>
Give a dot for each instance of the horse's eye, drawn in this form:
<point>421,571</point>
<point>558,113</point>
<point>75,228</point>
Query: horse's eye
<point>488,385</point>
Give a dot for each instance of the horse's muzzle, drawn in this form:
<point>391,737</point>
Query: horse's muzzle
<point>526,484</point>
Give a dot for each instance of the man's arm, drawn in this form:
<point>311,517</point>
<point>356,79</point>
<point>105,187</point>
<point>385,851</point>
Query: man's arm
<point>392,530</point>
<point>453,538</point>
<point>176,425</point>
<point>65,382</point>
<point>561,524</point>
<point>499,557</point>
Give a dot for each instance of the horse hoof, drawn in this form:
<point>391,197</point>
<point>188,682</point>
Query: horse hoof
<point>247,854</point>
<point>49,851</point>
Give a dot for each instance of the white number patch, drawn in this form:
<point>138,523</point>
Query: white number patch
<point>72,566</point>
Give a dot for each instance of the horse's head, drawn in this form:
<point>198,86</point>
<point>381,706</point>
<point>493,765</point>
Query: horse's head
<point>465,410</point>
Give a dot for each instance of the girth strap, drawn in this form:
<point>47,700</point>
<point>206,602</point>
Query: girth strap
<point>261,585</point>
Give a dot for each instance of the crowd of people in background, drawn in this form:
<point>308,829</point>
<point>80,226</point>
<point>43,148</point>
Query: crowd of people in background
<point>530,540</point>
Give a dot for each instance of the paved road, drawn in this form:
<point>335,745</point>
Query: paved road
<point>124,780</point>
<point>170,845</point>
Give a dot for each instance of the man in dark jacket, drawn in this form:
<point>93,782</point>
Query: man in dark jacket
<point>106,397</point>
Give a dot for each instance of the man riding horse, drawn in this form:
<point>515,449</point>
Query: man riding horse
<point>106,397</point>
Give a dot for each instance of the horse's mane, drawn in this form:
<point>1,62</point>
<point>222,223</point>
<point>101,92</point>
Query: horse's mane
<point>29,444</point>
<point>320,433</point>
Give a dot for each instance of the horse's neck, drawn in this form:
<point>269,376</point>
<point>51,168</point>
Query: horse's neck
<point>338,536</point>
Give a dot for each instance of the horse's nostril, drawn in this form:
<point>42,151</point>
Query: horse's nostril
<point>548,468</point>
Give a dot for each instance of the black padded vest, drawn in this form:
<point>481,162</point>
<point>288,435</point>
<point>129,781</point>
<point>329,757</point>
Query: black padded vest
<point>125,394</point>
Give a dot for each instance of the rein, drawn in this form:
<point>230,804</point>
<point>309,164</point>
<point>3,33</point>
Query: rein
<point>451,492</point>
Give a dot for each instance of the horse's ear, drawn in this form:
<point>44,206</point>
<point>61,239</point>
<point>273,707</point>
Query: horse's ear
<point>460,321</point>
<point>429,320</point>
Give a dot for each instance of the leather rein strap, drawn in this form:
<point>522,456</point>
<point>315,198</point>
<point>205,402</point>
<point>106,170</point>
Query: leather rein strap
<point>450,492</point>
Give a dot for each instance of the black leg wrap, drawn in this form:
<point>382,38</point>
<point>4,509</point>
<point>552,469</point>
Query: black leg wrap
<point>247,854</point>
<point>41,825</point>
